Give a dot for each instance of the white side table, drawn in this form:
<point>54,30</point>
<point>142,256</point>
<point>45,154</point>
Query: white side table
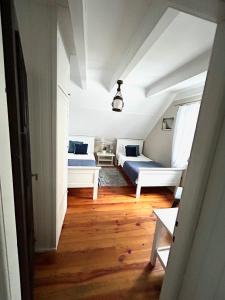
<point>166,218</point>
<point>105,159</point>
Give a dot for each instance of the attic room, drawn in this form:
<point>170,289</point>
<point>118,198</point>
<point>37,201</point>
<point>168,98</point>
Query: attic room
<point>114,152</point>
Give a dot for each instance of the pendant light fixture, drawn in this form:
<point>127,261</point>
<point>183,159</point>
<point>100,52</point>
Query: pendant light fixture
<point>118,104</point>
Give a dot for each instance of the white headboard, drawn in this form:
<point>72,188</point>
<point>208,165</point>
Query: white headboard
<point>121,143</point>
<point>90,140</point>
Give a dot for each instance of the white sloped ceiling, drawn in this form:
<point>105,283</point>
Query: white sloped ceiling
<point>180,45</point>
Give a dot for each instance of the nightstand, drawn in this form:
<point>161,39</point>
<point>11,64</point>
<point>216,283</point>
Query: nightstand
<point>105,159</point>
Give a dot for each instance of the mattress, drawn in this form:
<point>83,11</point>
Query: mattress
<point>131,168</point>
<point>122,158</point>
<point>81,160</point>
<point>89,156</point>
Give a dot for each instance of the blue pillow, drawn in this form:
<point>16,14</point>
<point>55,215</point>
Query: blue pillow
<point>137,148</point>
<point>131,151</point>
<point>72,145</point>
<point>81,149</point>
<point>75,145</point>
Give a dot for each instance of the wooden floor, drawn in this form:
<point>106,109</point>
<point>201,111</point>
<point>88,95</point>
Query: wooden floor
<point>104,248</point>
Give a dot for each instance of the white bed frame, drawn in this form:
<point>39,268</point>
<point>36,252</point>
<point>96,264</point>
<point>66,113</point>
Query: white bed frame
<point>149,177</point>
<point>83,177</point>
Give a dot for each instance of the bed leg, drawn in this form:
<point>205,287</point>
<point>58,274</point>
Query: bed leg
<point>95,188</point>
<point>138,191</point>
<point>95,192</point>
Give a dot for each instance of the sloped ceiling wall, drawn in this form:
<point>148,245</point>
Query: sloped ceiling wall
<point>91,112</point>
<point>158,60</point>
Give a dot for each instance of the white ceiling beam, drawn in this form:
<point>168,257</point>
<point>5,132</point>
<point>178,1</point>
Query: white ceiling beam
<point>65,29</point>
<point>191,69</point>
<point>78,18</point>
<point>156,20</point>
<point>74,71</point>
<point>212,10</point>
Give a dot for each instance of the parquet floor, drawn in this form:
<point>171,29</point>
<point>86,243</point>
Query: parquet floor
<point>104,248</point>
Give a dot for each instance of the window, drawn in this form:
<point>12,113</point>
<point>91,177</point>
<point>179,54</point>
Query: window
<point>184,131</point>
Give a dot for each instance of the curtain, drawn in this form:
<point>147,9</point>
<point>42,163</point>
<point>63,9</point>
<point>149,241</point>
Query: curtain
<point>183,136</point>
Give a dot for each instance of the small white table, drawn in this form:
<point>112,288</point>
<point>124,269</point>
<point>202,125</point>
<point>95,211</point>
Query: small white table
<point>105,159</point>
<point>166,218</point>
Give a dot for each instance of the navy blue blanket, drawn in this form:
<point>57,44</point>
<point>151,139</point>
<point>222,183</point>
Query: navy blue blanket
<point>131,168</point>
<point>81,163</point>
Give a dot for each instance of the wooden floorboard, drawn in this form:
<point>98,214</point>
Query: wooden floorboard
<point>104,248</point>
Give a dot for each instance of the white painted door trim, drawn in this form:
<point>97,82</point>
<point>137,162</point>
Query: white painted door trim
<point>9,265</point>
<point>4,272</point>
<point>204,277</point>
<point>61,170</point>
<point>206,140</point>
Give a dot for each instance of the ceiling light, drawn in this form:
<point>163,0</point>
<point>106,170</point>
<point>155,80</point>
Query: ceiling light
<point>118,104</point>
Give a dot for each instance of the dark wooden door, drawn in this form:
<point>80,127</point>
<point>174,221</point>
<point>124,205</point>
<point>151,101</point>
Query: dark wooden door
<point>17,101</point>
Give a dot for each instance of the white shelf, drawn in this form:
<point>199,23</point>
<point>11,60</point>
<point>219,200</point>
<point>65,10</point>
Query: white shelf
<point>163,255</point>
<point>105,159</point>
<point>105,154</point>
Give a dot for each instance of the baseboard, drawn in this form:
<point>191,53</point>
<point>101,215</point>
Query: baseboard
<point>42,250</point>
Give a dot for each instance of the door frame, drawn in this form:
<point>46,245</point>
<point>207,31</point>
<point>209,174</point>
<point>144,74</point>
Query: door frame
<point>17,114</point>
<point>201,164</point>
<point>9,266</point>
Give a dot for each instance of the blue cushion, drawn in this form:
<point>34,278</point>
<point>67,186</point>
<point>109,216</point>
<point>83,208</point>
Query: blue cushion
<point>131,151</point>
<point>137,148</point>
<point>81,149</point>
<point>72,145</point>
<point>75,144</point>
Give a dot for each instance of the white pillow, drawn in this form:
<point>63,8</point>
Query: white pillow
<point>122,149</point>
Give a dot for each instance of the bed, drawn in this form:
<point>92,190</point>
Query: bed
<point>142,171</point>
<point>82,170</point>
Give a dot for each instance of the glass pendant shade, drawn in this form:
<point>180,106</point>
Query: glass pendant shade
<point>118,104</point>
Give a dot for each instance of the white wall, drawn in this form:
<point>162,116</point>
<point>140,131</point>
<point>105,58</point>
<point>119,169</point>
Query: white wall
<point>62,118</point>
<point>91,112</point>
<point>63,65</point>
<point>9,265</point>
<point>158,144</point>
<point>48,73</point>
<point>38,28</point>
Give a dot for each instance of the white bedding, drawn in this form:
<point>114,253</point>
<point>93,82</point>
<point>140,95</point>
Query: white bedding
<point>122,158</point>
<point>89,156</point>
